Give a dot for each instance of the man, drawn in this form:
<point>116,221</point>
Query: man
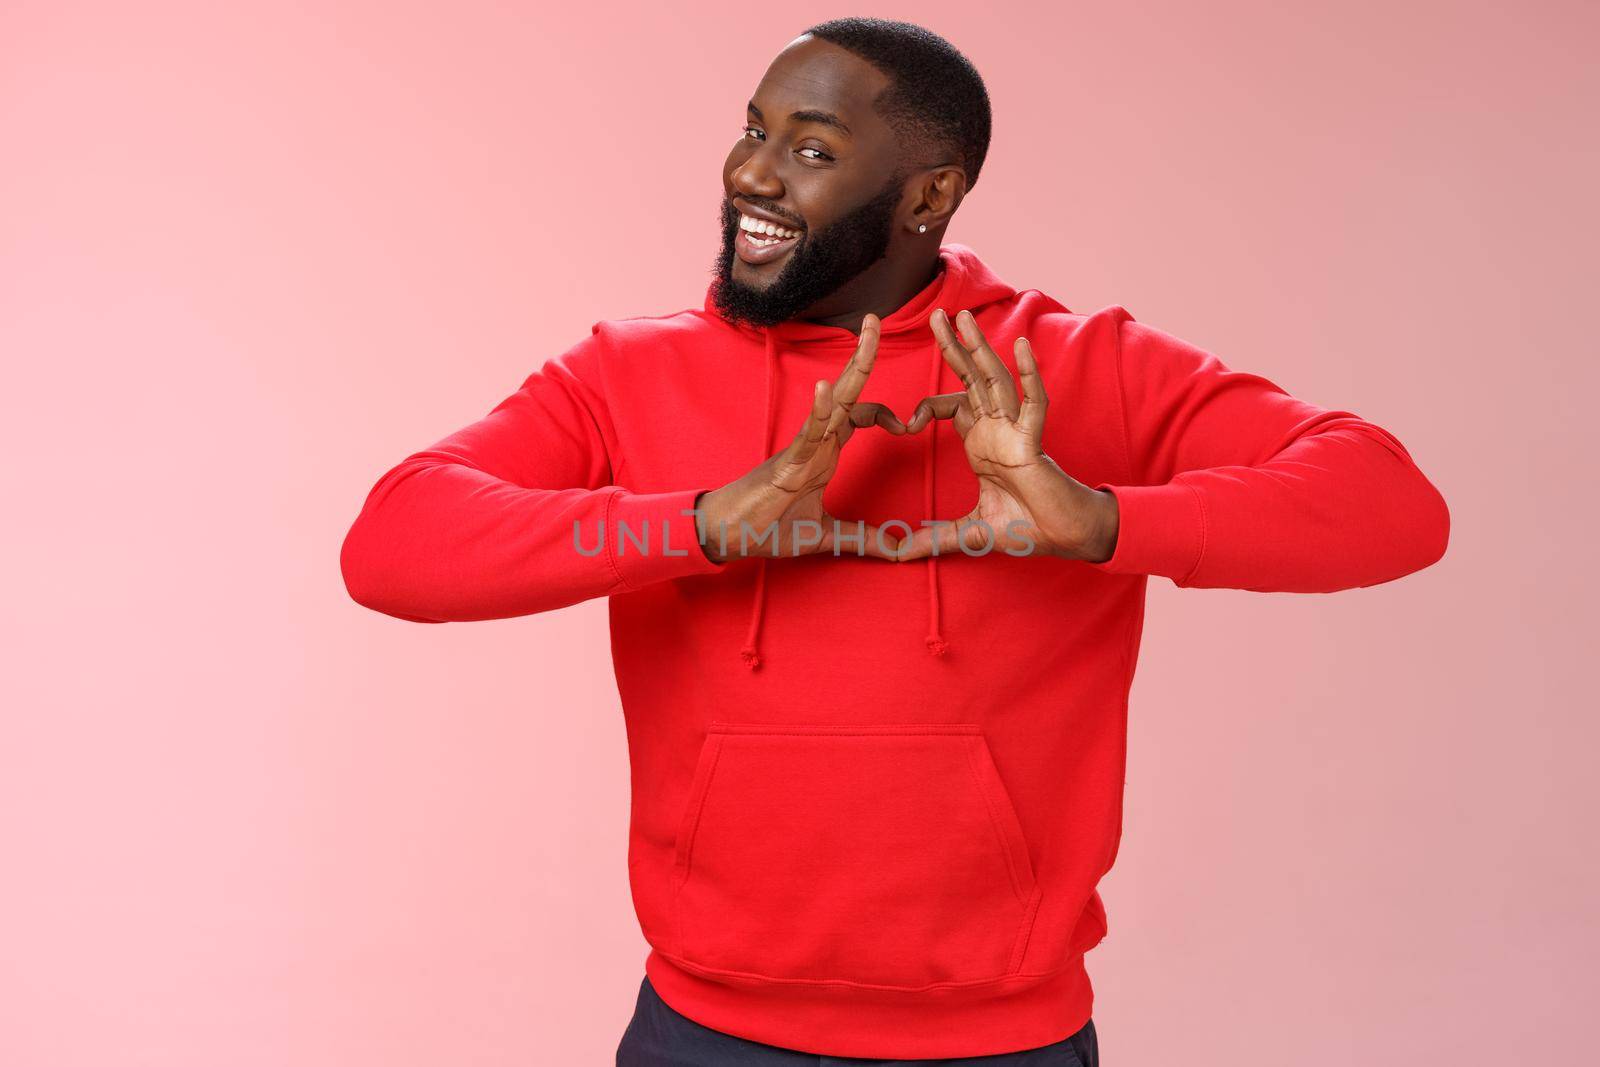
<point>877,754</point>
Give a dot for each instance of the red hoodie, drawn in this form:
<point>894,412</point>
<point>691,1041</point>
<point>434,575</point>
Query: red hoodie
<point>871,802</point>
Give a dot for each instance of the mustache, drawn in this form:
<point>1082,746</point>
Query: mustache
<point>731,213</point>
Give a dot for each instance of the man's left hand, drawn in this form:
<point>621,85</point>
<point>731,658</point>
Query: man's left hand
<point>1026,503</point>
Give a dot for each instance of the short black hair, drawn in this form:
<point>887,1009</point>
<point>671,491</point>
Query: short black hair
<point>935,95</point>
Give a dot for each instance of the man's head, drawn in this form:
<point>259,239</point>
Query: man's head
<point>858,145</point>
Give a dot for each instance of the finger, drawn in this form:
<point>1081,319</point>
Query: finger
<point>1000,390</point>
<point>941,538</point>
<point>872,414</point>
<point>815,428</point>
<point>956,356</point>
<point>942,406</point>
<point>853,379</point>
<point>1034,401</point>
<point>847,390</point>
<point>856,538</point>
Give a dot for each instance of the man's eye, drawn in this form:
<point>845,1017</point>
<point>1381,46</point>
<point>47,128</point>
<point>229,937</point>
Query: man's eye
<point>820,154</point>
<point>753,132</point>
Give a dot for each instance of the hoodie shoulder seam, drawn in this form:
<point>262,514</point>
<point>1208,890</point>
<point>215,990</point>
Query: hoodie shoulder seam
<point>663,317</point>
<point>1122,407</point>
<point>1041,294</point>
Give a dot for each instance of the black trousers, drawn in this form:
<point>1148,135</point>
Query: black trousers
<point>657,1036</point>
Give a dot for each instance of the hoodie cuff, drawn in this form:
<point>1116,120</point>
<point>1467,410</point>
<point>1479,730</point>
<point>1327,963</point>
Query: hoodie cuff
<point>650,537</point>
<point>1161,530</point>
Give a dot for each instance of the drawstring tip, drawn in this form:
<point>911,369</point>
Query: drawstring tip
<point>751,658</point>
<point>937,646</point>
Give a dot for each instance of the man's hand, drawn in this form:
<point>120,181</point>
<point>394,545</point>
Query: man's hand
<point>776,509</point>
<point>1026,503</point>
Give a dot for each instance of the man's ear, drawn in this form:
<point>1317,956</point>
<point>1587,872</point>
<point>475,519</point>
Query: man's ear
<point>934,196</point>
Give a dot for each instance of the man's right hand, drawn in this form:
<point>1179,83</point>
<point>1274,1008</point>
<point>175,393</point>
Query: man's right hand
<point>776,509</point>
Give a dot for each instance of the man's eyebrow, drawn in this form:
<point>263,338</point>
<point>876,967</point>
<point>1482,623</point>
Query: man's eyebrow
<point>825,118</point>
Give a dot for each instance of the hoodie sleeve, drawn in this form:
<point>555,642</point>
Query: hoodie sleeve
<point>505,516</point>
<point>1242,486</point>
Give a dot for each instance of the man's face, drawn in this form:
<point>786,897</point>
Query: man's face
<point>816,163</point>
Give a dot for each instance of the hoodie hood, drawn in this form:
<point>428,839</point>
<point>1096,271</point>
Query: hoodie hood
<point>964,282</point>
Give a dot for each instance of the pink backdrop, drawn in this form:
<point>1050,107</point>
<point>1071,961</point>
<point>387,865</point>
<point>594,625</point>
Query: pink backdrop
<point>253,254</point>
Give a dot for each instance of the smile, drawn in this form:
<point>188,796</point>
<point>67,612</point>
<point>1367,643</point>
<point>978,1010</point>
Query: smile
<point>760,241</point>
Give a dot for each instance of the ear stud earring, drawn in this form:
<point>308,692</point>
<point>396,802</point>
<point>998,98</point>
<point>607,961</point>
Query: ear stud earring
<point>922,228</point>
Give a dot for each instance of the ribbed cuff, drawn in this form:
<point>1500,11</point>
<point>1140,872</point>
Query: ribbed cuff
<point>651,538</point>
<point>1161,529</point>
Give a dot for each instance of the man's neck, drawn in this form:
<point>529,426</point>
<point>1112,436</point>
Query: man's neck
<point>881,289</point>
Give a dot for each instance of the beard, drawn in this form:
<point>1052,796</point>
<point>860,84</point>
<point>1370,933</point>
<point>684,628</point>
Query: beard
<point>820,263</point>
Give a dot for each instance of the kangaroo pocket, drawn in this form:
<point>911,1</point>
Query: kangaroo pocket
<point>885,855</point>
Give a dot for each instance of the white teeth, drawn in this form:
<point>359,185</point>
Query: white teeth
<point>754,225</point>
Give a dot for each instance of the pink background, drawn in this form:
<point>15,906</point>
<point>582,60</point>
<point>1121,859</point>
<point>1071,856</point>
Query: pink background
<point>253,254</point>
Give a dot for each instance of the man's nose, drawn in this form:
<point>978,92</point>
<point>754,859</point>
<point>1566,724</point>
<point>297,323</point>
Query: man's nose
<point>756,177</point>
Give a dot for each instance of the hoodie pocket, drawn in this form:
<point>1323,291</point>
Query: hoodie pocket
<point>885,855</point>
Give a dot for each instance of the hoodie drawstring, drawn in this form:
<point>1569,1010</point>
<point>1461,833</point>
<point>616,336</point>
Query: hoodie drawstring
<point>935,641</point>
<point>751,652</point>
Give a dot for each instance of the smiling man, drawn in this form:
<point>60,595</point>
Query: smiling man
<point>876,529</point>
